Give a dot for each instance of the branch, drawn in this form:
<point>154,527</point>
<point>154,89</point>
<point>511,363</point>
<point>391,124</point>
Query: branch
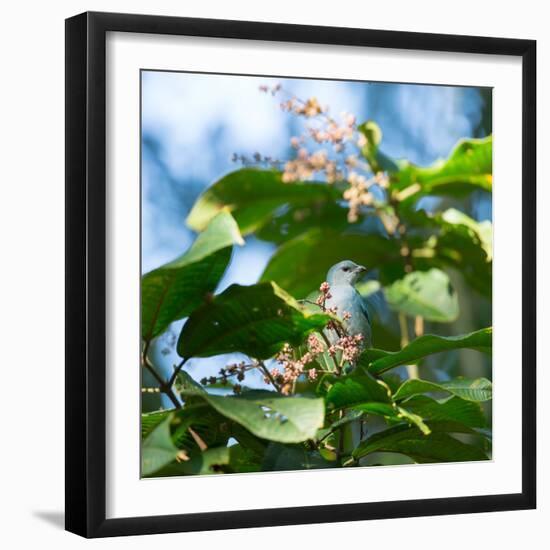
<point>412,370</point>
<point>163,386</point>
<point>268,375</point>
<point>176,372</point>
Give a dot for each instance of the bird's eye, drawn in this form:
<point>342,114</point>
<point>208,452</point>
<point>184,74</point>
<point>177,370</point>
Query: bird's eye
<point>345,269</point>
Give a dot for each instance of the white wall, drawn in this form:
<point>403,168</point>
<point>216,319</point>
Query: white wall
<point>31,287</point>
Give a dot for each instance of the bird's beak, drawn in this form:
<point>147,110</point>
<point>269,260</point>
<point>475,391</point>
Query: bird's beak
<point>360,269</point>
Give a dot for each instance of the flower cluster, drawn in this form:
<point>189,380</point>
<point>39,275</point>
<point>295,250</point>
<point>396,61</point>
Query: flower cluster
<point>238,370</point>
<point>291,367</point>
<point>334,133</point>
<point>309,108</point>
<point>338,161</point>
<point>324,295</point>
<point>357,194</point>
<point>257,159</point>
<point>305,165</point>
<point>350,346</point>
<point>272,90</point>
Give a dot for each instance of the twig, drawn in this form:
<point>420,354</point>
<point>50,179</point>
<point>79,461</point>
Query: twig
<point>176,372</point>
<point>163,386</point>
<point>418,325</point>
<point>198,439</point>
<point>306,301</point>
<point>340,449</point>
<point>412,370</point>
<point>268,375</point>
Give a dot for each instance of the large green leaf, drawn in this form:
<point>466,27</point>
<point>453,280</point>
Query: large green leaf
<point>292,222</point>
<point>205,421</point>
<point>150,420</point>
<point>271,416</point>
<point>157,449</point>
<point>174,290</point>
<point>452,409</point>
<point>479,389</point>
<point>353,390</point>
<point>292,457</point>
<point>469,167</point>
<point>378,361</point>
<point>482,230</point>
<point>455,240</point>
<point>242,459</point>
<point>465,245</point>
<point>252,196</point>
<point>422,448</point>
<point>428,294</point>
<point>211,461</point>
<point>256,320</point>
<point>301,264</point>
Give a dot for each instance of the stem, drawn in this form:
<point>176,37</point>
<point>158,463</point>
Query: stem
<point>176,372</point>
<point>163,386</point>
<point>340,449</point>
<point>198,439</point>
<point>419,325</point>
<point>268,375</point>
<point>412,370</point>
<point>328,344</point>
<point>404,329</point>
<point>306,301</point>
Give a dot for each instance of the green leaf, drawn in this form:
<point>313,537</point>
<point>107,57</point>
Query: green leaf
<point>452,409</point>
<point>244,460</point>
<point>414,419</point>
<point>456,241</point>
<point>288,224</point>
<point>174,290</point>
<point>378,361</point>
<point>186,383</point>
<point>211,461</point>
<point>435,447</point>
<point>377,160</point>
<point>252,195</point>
<point>353,390</point>
<point>428,294</point>
<point>349,416</point>
<point>301,264</point>
<point>292,457</point>
<point>210,426</point>
<point>271,416</point>
<point>483,230</point>
<point>468,168</point>
<point>157,449</point>
<point>479,389</point>
<point>256,320</point>
<point>150,420</point>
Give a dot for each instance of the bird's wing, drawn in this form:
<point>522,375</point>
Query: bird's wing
<point>377,306</point>
<point>365,310</point>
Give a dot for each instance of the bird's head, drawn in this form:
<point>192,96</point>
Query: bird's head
<point>346,272</point>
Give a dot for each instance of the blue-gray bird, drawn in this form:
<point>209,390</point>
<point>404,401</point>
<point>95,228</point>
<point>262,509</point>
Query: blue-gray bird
<point>342,277</point>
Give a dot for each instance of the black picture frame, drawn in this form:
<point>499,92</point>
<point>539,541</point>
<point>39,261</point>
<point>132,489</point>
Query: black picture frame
<point>86,274</point>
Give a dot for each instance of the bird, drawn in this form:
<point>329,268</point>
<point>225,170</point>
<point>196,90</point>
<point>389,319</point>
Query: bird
<point>345,301</point>
<point>348,304</point>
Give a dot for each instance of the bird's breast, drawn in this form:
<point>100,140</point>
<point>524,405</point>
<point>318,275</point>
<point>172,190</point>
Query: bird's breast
<point>347,300</point>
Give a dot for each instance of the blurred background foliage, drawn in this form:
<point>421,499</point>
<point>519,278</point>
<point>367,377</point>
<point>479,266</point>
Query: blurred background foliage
<point>427,242</point>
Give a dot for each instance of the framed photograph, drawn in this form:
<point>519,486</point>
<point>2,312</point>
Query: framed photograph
<point>287,248</point>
